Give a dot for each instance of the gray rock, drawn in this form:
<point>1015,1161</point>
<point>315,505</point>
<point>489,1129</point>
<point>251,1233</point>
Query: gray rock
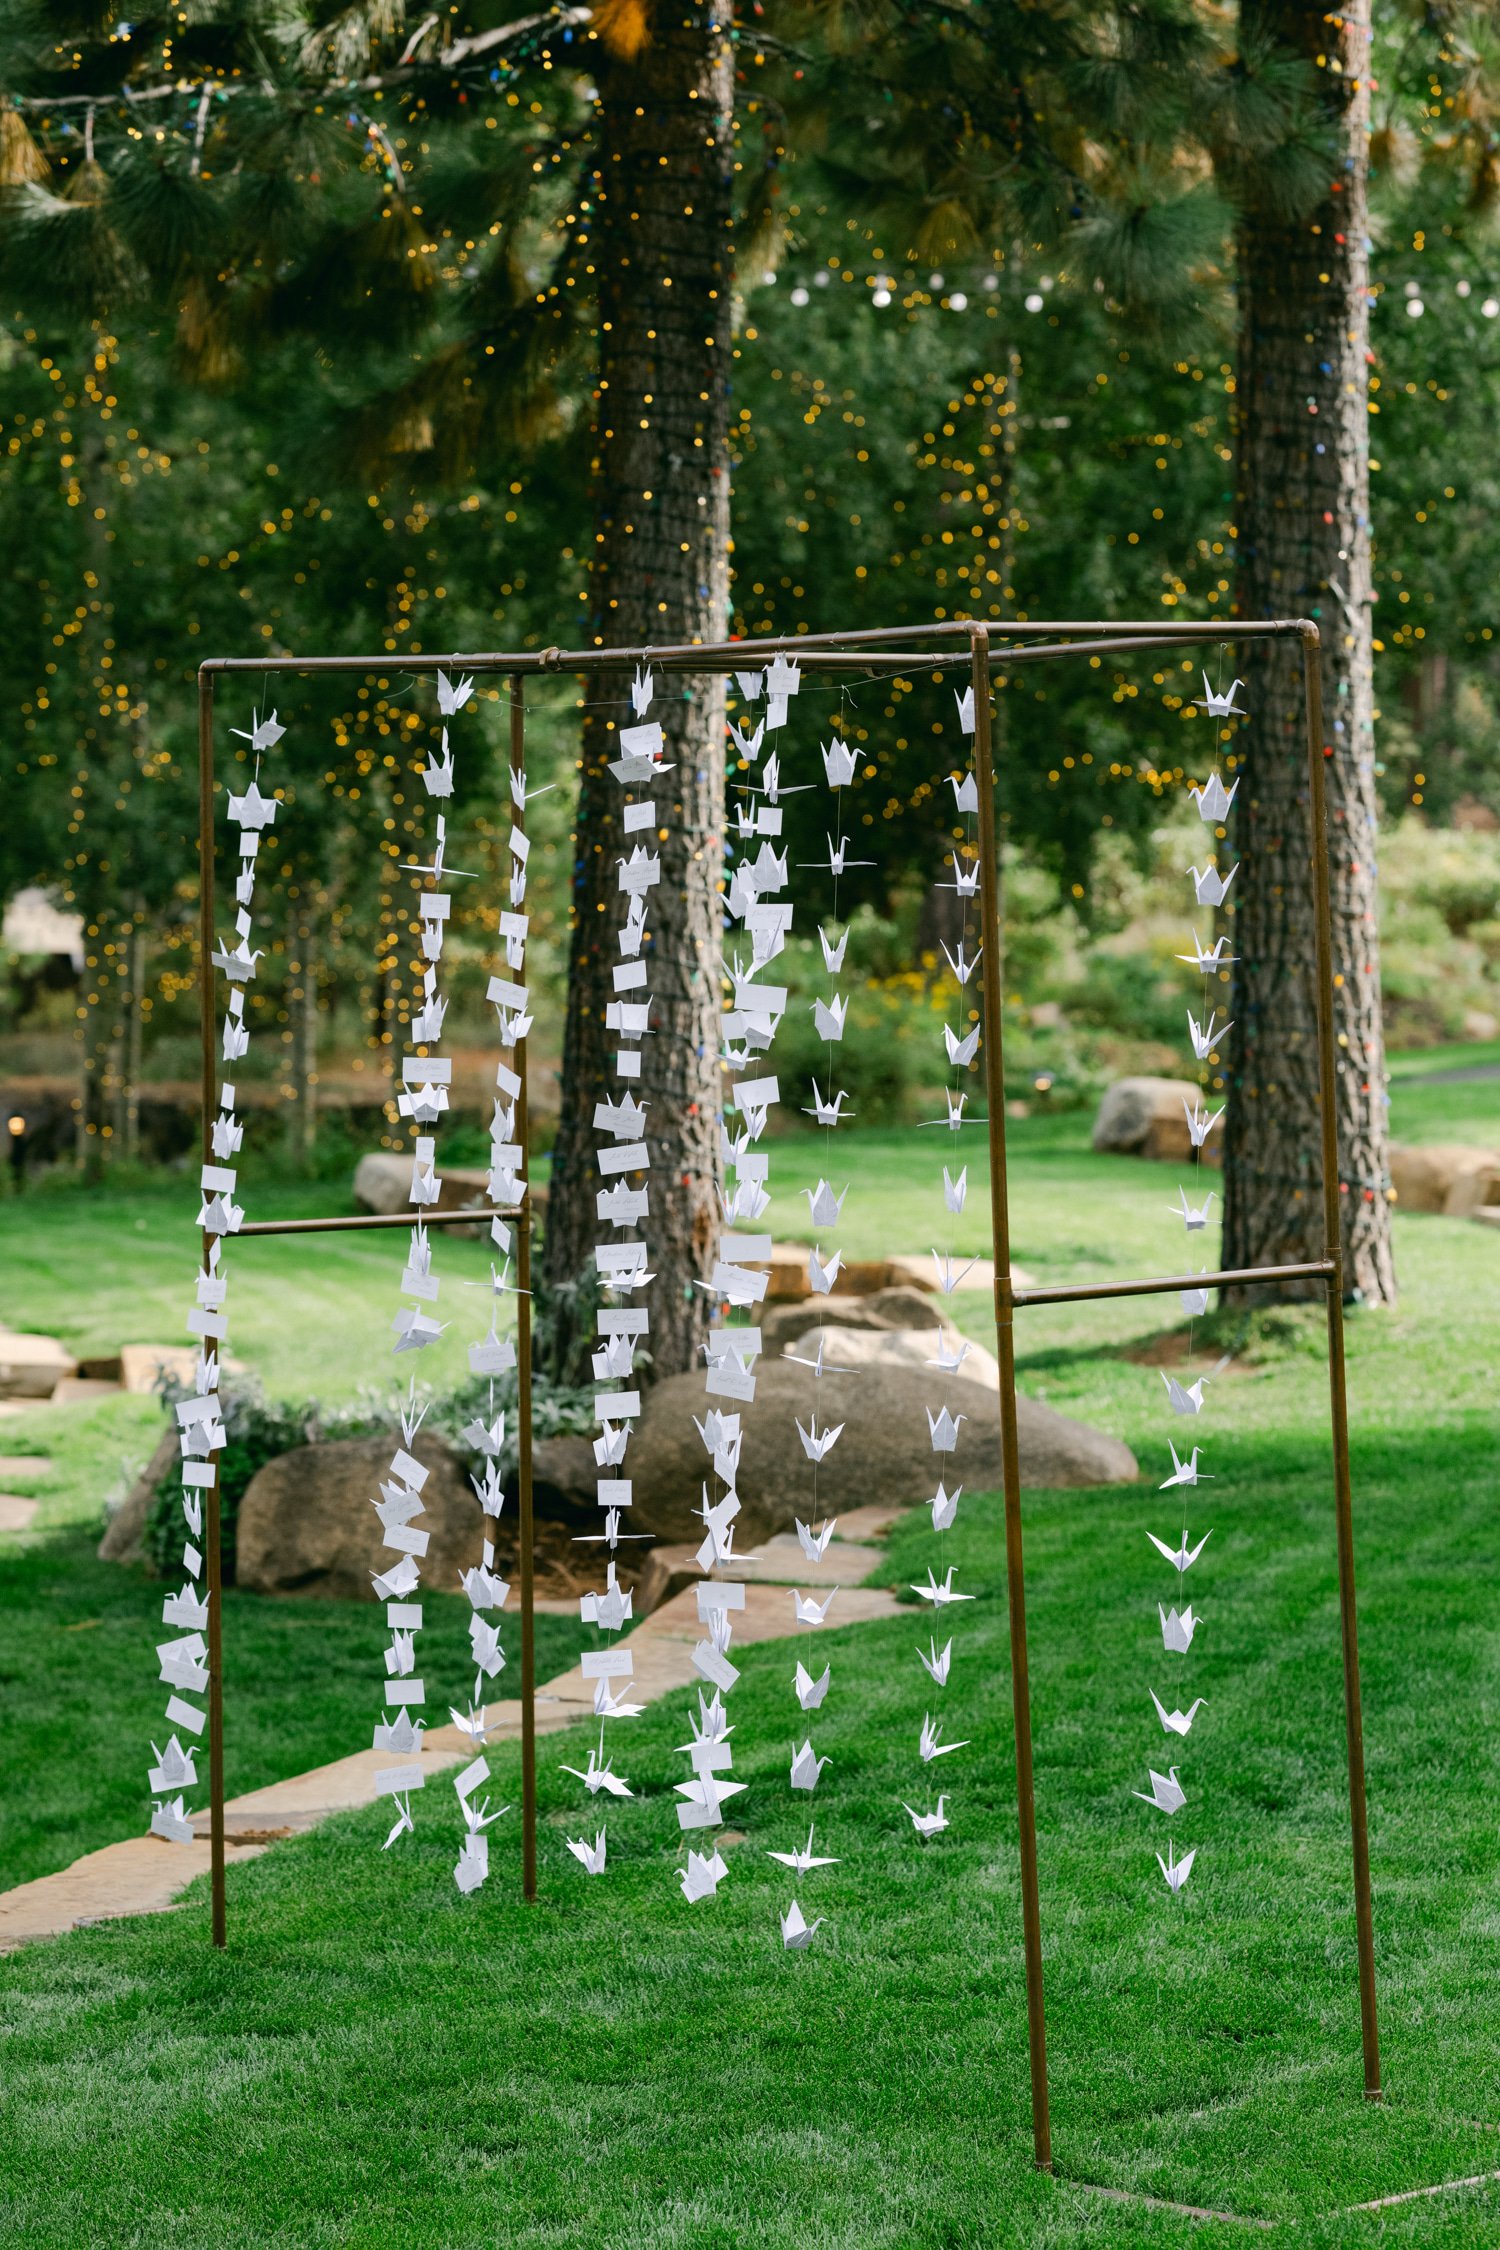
<point>382,1183</point>
<point>126,1527</point>
<point>903,1307</point>
<point>32,1366</point>
<point>1145,1117</point>
<point>883,1458</point>
<point>307,1524</point>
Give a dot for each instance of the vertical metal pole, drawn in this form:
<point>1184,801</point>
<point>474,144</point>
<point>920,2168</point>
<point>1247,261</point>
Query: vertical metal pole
<point>1343,1505</point>
<point>211,1492</point>
<point>1010,1452</point>
<point>523,1398</point>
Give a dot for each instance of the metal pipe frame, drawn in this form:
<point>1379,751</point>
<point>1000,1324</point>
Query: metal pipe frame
<point>1034,641</point>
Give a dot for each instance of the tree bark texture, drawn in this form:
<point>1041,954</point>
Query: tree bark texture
<point>1304,551</point>
<point>662,241</point>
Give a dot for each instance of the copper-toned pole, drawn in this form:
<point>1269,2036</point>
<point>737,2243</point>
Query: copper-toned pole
<point>523,1398</point>
<point>1231,1277</point>
<point>1343,1503</point>
<point>211,1540</point>
<point>1010,1451</point>
<point>345,1225</point>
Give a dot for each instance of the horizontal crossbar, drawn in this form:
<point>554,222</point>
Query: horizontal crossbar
<point>372,1219</point>
<point>1319,1269</point>
<point>811,649</point>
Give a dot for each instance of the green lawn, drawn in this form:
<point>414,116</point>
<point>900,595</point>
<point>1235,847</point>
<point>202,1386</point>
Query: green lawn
<point>377,2061</point>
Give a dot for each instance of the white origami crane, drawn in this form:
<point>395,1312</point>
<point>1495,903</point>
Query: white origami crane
<point>928,1825</point>
<point>1210,888</point>
<point>828,1016</point>
<point>1176,1871</point>
<point>599,1777</point>
<point>936,1664</point>
<point>960,1051</point>
<point>938,1595</point>
<point>806,1767</point>
<point>796,1932</point>
<point>747,1202</point>
<point>963,965</point>
<point>1184,1401</point>
<point>950,1357</point>
<point>1214,800</point>
<point>1209,962</point>
<point>816,1362</point>
<point>437,774</point>
<point>238,963</point>
<point>609,1450</point>
<point>608,1610</point>
<point>174,1769</point>
<point>253,810</point>
<point>402,1734</point>
<point>590,1856</point>
<point>403,1825</point>
<point>827,1112</point>
<point>1181,1557</point>
<point>1174,1722</point>
<point>452,694</point>
<point>815,1543</point>
<point>1177,1628</point>
<point>472,1866</point>
<point>261,734</point>
<point>1207,1036</point>
<point>749,685</point>
<point>810,1692</point>
<point>1165,1793</point>
<point>1222,706</point>
<point>947,1279</point>
<point>944,1506</point>
<point>965,876</point>
<point>747,741</point>
<point>1193,1216</point>
<point>833,954</point>
<point>416,1330</point>
<point>955,1191</point>
<point>964,698</point>
<point>801,1861</point>
<point>944,1428</point>
<point>955,1116</point>
<point>1183,1472</point>
<point>702,1876</point>
<point>823,1205</point>
<point>810,1612</point>
<point>839,762</point>
<point>1199,1123</point>
<point>821,1278</point>
<point>815,1442</point>
<point>614,1360</point>
<point>484,1644</point>
<point>475,1724</point>
<point>642,688</point>
<point>930,1746</point>
<point>392,1585</point>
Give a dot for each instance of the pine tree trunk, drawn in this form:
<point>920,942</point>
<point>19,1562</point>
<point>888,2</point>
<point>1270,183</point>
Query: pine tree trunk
<point>303,995</point>
<point>1304,551</point>
<point>662,243</point>
<point>134,1040</point>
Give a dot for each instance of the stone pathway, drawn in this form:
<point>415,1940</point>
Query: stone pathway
<point>147,1876</point>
